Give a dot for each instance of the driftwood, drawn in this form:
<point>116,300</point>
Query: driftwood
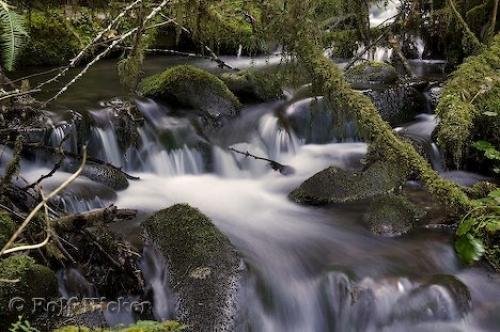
<point>283,169</point>
<point>76,222</point>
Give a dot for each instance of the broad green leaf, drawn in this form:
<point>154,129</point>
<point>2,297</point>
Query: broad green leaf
<point>493,226</point>
<point>465,226</point>
<point>489,113</point>
<point>469,248</point>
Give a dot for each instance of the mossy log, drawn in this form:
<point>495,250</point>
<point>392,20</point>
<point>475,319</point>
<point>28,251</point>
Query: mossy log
<point>473,90</point>
<point>384,143</point>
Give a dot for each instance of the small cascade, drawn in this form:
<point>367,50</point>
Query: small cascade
<point>155,273</point>
<point>276,139</point>
<point>109,144</point>
<point>66,132</point>
<point>240,51</point>
<point>379,54</point>
<point>73,284</point>
<point>419,44</point>
<point>224,163</point>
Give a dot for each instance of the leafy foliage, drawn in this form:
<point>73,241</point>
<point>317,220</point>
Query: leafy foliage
<point>22,325</point>
<point>12,36</point>
<point>478,234</point>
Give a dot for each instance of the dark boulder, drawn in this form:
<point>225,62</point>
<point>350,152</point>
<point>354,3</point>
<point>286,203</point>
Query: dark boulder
<point>205,268</point>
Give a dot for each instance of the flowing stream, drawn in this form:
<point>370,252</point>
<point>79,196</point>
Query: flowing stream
<point>309,269</point>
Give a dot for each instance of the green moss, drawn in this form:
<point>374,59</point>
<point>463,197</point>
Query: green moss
<point>7,228</point>
<point>391,215</point>
<point>371,73</point>
<point>54,39</point>
<point>190,87</point>
<point>335,185</point>
<point>141,326</point>
<point>473,91</point>
<point>253,85</point>
<point>187,236</point>
<point>27,280</point>
<point>344,43</point>
<point>384,144</point>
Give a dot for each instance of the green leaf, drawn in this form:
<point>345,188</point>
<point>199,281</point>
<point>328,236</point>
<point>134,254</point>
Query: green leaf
<point>469,248</point>
<point>489,113</point>
<point>482,145</point>
<point>493,226</point>
<point>12,36</point>
<point>465,226</point>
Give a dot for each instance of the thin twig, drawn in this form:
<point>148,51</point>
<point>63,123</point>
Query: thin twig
<point>101,55</point>
<point>80,55</point>
<point>43,203</point>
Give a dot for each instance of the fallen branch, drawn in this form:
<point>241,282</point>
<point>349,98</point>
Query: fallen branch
<point>283,169</point>
<point>75,222</point>
<point>44,201</point>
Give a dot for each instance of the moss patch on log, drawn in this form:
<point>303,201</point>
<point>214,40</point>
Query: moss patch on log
<point>468,104</point>
<point>384,144</point>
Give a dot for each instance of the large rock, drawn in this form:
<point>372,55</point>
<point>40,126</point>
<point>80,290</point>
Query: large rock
<point>204,266</point>
<point>252,85</point>
<point>335,185</point>
<point>391,215</point>
<point>370,73</point>
<point>32,281</point>
<point>103,174</point>
<point>194,88</point>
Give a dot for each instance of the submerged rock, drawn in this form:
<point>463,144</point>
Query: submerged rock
<point>391,215</point>
<point>252,85</point>
<point>441,297</point>
<point>335,185</point>
<point>104,174</point>
<point>30,280</point>
<point>371,73</point>
<point>204,266</point>
<point>194,88</point>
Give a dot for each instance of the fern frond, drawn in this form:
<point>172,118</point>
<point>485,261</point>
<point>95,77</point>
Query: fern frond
<point>12,34</point>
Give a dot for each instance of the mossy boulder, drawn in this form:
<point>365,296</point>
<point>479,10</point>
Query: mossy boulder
<point>204,266</point>
<point>253,86</point>
<point>336,185</point>
<point>7,228</point>
<point>30,280</point>
<point>371,73</point>
<point>391,215</point>
<point>187,86</point>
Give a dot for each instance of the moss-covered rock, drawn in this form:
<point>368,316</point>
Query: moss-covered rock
<point>141,326</point>
<point>252,85</point>
<point>24,279</point>
<point>7,228</point>
<point>371,73</point>
<point>204,266</point>
<point>194,88</point>
<point>335,185</point>
<point>391,215</point>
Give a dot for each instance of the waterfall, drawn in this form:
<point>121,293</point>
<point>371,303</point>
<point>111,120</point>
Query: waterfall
<point>108,144</point>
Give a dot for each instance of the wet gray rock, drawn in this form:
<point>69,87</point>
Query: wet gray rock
<point>205,268</point>
<point>335,185</point>
<point>439,298</point>
<point>371,74</point>
<point>103,174</point>
<point>391,215</point>
<point>251,85</point>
